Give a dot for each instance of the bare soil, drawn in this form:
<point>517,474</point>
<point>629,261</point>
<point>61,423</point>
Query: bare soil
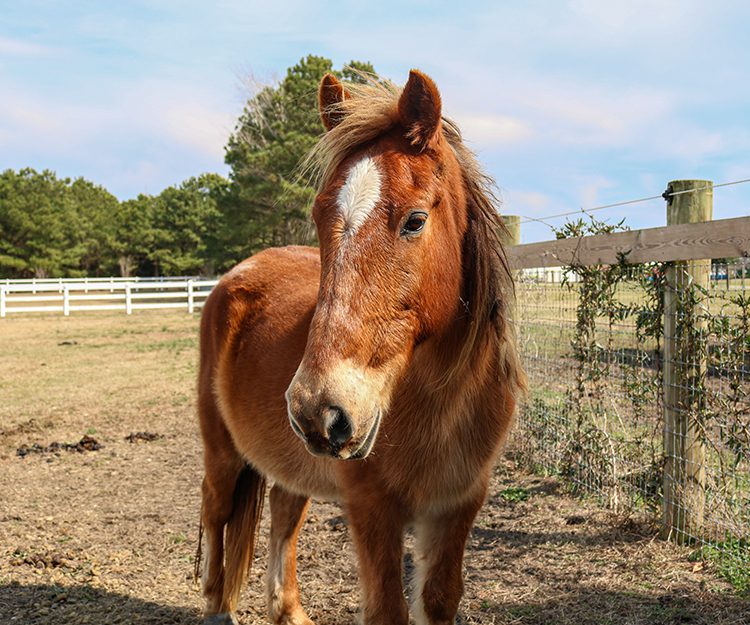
<point>108,535</point>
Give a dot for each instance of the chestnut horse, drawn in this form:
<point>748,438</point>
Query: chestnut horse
<point>379,371</point>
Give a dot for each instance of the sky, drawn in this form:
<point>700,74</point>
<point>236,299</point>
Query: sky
<point>569,104</point>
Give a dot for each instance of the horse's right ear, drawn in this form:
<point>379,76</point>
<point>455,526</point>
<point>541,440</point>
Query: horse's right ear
<point>419,109</point>
<point>331,95</point>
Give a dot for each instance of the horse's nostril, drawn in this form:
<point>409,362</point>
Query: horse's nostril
<point>340,429</point>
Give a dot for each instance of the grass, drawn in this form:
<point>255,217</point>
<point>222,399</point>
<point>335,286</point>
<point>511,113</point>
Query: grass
<point>172,345</point>
<point>617,460</point>
<point>52,380</point>
<point>732,559</point>
<point>515,494</point>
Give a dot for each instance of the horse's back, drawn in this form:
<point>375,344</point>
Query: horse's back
<point>253,334</point>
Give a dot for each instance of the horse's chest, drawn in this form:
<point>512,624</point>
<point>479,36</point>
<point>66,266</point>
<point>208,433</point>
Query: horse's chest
<point>438,469</point>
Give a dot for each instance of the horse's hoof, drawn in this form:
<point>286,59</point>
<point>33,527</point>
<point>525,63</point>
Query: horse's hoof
<point>226,618</point>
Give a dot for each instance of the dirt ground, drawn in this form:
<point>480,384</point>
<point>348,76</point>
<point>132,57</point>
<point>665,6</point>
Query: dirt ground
<point>107,535</point>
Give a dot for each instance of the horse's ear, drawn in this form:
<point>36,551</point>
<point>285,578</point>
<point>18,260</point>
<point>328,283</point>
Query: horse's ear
<point>331,94</point>
<point>419,109</point>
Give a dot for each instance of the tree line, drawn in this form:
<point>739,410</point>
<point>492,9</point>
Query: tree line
<point>51,226</point>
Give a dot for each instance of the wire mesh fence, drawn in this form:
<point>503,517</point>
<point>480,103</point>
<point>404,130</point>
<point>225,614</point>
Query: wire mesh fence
<point>645,411</point>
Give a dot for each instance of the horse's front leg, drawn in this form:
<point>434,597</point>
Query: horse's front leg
<point>287,516</point>
<point>440,545</point>
<point>377,526</point>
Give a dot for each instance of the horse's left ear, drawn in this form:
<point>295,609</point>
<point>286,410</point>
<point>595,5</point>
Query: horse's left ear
<point>330,96</point>
<point>419,109</point>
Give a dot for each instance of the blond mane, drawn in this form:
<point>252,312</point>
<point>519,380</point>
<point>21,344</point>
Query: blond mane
<point>370,111</point>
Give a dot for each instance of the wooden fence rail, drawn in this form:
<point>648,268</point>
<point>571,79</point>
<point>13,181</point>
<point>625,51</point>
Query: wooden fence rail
<point>726,238</point>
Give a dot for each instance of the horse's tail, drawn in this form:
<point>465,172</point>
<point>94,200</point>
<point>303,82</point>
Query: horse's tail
<point>242,528</point>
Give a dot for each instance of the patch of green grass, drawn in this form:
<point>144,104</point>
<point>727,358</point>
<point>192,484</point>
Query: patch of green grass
<point>549,396</point>
<point>523,613</point>
<point>177,539</point>
<point>515,494</point>
<point>172,345</point>
<point>732,560</point>
<point>181,399</point>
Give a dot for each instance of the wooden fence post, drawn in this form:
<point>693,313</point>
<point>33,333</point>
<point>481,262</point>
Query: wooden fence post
<point>684,369</point>
<point>2,301</point>
<point>513,224</point>
<point>66,300</point>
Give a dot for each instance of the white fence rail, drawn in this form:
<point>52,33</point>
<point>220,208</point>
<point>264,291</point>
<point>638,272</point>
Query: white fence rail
<point>66,296</point>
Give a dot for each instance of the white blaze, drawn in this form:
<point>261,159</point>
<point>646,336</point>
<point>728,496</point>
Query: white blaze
<point>360,193</point>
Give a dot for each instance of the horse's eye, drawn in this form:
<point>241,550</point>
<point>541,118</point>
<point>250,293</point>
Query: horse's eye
<point>414,223</point>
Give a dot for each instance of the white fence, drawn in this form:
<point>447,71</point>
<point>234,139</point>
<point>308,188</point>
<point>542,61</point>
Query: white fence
<point>548,275</point>
<point>122,294</point>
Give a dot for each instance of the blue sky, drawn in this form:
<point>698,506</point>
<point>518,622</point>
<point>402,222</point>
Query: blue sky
<point>569,104</point>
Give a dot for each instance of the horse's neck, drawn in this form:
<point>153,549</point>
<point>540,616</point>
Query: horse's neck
<point>433,368</point>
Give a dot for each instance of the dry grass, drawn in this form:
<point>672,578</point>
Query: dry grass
<point>108,536</point>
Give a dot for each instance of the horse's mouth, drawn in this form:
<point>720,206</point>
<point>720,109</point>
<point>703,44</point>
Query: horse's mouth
<point>318,446</point>
<point>366,447</point>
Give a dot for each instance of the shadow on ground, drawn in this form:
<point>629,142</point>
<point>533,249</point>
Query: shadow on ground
<point>592,606</point>
<point>73,605</point>
<point>523,541</point>
<point>46,604</point>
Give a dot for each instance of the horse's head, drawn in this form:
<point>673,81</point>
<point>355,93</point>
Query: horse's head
<point>390,217</point>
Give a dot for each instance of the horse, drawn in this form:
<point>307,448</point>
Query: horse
<point>379,371</point>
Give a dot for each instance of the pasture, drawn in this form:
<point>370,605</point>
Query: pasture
<point>109,535</point>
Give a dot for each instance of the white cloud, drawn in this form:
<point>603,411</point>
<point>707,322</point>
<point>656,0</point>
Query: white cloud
<point>528,202</point>
<point>149,112</point>
<point>546,109</point>
<point>548,90</point>
<point>486,130</point>
<point>197,126</point>
<point>589,190</point>
<point>620,23</point>
<point>23,114</point>
<point>17,47</point>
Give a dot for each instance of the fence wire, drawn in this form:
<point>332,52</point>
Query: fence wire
<point>644,411</point>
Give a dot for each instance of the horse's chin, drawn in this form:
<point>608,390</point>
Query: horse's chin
<point>367,444</point>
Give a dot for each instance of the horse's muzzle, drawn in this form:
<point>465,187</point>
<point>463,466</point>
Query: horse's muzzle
<point>338,441</point>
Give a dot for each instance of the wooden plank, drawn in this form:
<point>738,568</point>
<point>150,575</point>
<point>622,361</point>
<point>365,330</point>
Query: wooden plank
<point>725,238</point>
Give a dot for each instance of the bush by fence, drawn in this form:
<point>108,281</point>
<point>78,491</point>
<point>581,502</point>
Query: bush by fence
<point>640,373</point>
